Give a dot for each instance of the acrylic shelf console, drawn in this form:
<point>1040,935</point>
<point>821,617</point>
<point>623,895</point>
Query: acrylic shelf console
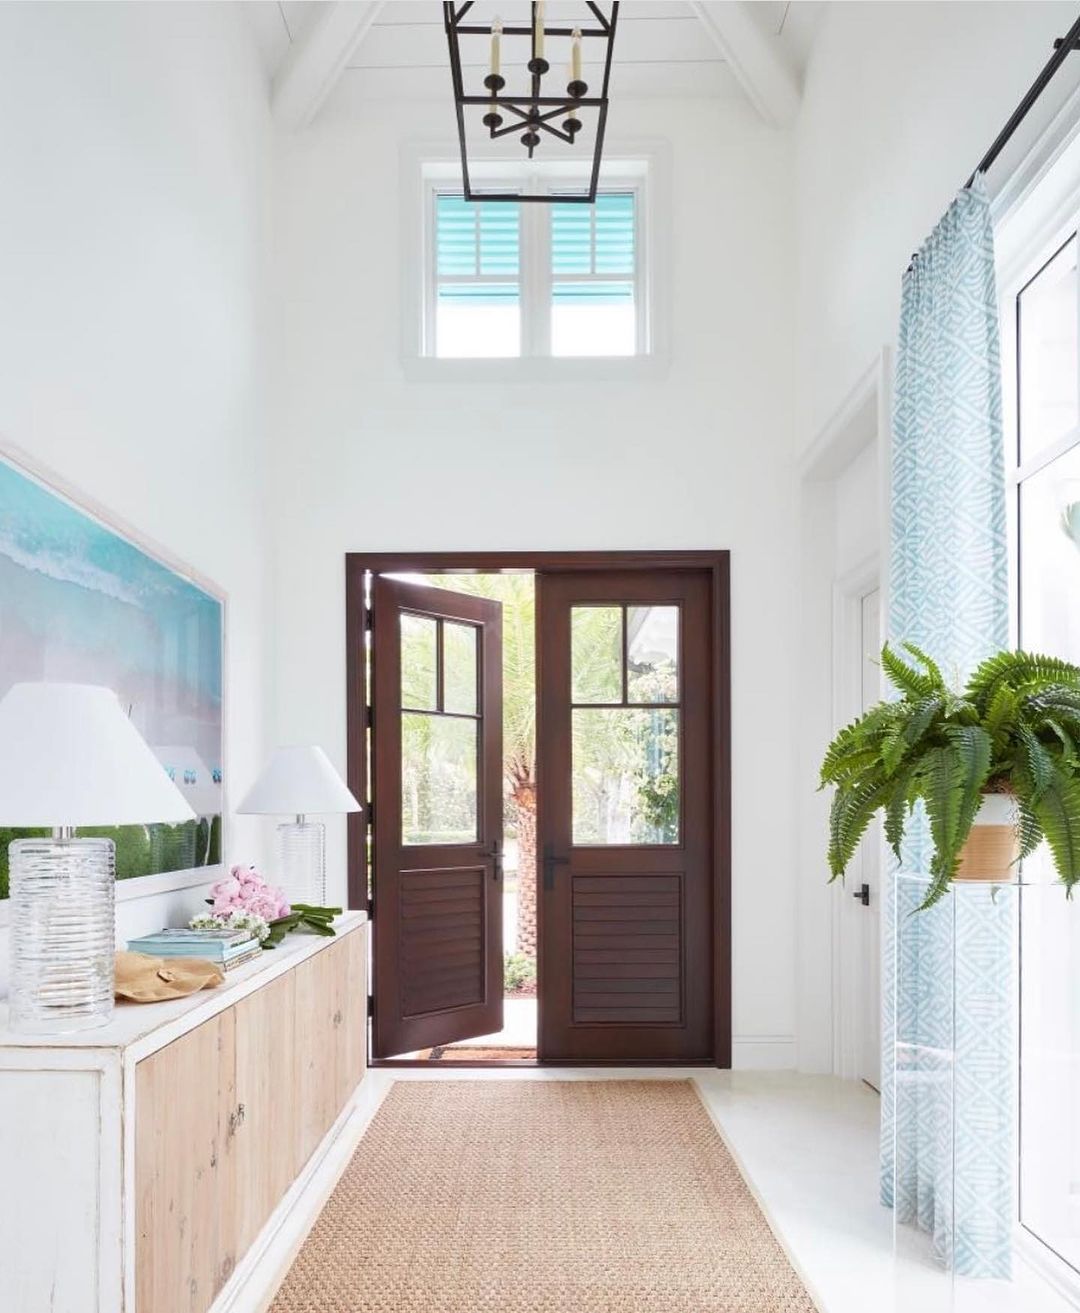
<point>949,1105</point>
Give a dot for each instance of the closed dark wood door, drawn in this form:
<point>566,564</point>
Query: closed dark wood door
<point>437,813</point>
<point>626,816</point>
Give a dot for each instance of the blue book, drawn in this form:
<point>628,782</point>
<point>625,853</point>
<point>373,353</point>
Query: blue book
<point>215,946</point>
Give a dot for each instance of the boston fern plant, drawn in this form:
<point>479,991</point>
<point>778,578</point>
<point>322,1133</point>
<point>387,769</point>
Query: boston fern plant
<point>1014,729</point>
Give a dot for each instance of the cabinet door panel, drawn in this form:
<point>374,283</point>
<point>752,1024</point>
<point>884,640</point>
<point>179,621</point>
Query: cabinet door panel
<point>317,1059</point>
<point>352,1037</point>
<point>184,1196</point>
<point>266,1142</point>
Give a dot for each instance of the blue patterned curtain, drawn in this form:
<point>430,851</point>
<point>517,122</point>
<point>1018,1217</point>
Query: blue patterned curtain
<point>948,593</point>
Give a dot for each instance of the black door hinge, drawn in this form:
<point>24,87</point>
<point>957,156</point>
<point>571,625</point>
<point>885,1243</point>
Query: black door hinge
<point>370,1006</point>
<point>369,619</point>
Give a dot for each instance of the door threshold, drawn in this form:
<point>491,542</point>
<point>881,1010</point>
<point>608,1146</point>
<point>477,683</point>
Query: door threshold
<point>438,1064</point>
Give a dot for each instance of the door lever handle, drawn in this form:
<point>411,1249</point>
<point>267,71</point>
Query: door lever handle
<point>862,894</point>
<point>550,863</point>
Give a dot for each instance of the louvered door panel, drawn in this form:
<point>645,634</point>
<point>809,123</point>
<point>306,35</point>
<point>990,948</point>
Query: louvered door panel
<point>627,949</point>
<point>442,939</point>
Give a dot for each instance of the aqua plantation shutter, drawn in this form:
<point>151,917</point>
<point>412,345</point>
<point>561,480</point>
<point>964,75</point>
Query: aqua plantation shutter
<point>477,251</point>
<point>590,246</point>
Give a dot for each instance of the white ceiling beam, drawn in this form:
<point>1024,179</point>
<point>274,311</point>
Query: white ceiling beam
<point>313,65</point>
<point>758,66</point>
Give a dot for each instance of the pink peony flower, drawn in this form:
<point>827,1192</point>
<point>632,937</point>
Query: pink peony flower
<point>246,891</point>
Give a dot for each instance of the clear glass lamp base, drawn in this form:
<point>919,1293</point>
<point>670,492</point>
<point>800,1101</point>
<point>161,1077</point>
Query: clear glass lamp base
<point>303,861</point>
<point>63,934</point>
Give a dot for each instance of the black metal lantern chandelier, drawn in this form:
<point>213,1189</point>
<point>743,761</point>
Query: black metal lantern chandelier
<point>544,109</point>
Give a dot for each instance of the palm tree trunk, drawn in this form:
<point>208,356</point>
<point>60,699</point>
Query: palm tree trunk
<point>524,797</point>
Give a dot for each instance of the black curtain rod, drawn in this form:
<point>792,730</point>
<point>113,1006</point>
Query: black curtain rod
<point>1063,47</point>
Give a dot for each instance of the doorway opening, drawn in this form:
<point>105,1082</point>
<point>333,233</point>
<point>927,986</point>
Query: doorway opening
<point>543,743</point>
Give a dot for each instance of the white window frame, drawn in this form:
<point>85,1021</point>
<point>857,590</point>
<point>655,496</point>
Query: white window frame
<point>427,169</point>
<point>1035,211</point>
<point>536,278</point>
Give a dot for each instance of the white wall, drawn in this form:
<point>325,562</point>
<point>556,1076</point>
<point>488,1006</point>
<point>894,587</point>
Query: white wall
<point>134,148</point>
<point>698,458</point>
<point>900,102</point>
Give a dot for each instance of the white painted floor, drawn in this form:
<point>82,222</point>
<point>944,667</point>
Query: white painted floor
<point>807,1145</point>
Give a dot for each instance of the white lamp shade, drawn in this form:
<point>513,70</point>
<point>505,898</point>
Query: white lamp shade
<point>298,781</point>
<point>70,756</point>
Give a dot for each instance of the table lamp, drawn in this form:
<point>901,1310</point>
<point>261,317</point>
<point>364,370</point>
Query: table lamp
<point>69,756</point>
<point>300,781</point>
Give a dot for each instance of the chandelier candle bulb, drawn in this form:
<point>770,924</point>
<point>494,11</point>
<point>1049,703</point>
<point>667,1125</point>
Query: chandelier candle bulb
<point>538,29</point>
<point>496,42</point>
<point>575,56</point>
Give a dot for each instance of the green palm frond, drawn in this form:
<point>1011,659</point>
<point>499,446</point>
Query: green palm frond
<point>1040,765</point>
<point>1030,830</point>
<point>1001,710</point>
<point>1021,670</point>
<point>851,813</point>
<point>928,664</point>
<point>904,678</point>
<point>1058,813</point>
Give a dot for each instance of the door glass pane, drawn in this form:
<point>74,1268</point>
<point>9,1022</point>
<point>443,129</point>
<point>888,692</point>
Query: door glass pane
<point>438,779</point>
<point>1047,332</point>
<point>459,668</point>
<point>419,662</point>
<point>625,776</point>
<point>1050,558</point>
<point>652,653</point>
<point>596,653</point>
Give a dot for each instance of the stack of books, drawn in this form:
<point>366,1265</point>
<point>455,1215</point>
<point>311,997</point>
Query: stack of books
<point>225,948</point>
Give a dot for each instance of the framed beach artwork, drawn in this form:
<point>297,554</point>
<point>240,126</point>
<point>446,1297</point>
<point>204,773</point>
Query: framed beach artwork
<point>83,603</point>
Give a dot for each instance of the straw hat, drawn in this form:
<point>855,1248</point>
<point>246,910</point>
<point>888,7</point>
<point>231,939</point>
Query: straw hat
<point>145,979</point>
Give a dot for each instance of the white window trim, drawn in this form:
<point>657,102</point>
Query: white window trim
<point>1035,210</point>
<point>427,167</point>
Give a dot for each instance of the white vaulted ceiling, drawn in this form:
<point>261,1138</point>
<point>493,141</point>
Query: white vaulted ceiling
<point>662,48</point>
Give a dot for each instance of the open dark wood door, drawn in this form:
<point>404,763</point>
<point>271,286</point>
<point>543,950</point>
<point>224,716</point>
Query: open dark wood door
<point>626,819</point>
<point>437,811</point>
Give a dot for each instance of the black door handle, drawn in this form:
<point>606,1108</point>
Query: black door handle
<point>863,894</point>
<point>496,861</point>
<point>550,863</point>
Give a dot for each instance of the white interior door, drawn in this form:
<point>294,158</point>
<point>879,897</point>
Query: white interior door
<point>867,884</point>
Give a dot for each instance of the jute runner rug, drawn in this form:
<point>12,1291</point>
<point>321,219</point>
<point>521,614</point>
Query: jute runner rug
<point>542,1197</point>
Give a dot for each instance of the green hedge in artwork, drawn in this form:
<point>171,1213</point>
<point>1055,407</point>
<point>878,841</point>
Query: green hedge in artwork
<point>140,849</point>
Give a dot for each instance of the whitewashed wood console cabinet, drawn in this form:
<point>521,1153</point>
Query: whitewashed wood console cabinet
<point>144,1164</point>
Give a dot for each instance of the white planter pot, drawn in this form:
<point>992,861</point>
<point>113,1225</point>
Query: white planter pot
<point>993,846</point>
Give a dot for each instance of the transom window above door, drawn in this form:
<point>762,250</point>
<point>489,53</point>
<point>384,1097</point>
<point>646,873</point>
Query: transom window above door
<point>520,280</point>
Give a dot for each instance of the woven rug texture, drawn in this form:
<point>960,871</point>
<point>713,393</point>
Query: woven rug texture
<point>472,1196</point>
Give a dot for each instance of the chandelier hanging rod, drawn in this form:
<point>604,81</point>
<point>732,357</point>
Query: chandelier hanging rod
<point>481,29</point>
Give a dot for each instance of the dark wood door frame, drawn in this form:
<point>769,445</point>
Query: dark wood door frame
<point>716,563</point>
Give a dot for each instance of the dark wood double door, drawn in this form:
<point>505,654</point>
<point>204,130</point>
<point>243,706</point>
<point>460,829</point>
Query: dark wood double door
<point>628,724</point>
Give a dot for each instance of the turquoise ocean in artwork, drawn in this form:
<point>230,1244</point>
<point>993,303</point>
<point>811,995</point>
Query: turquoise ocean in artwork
<point>80,603</point>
